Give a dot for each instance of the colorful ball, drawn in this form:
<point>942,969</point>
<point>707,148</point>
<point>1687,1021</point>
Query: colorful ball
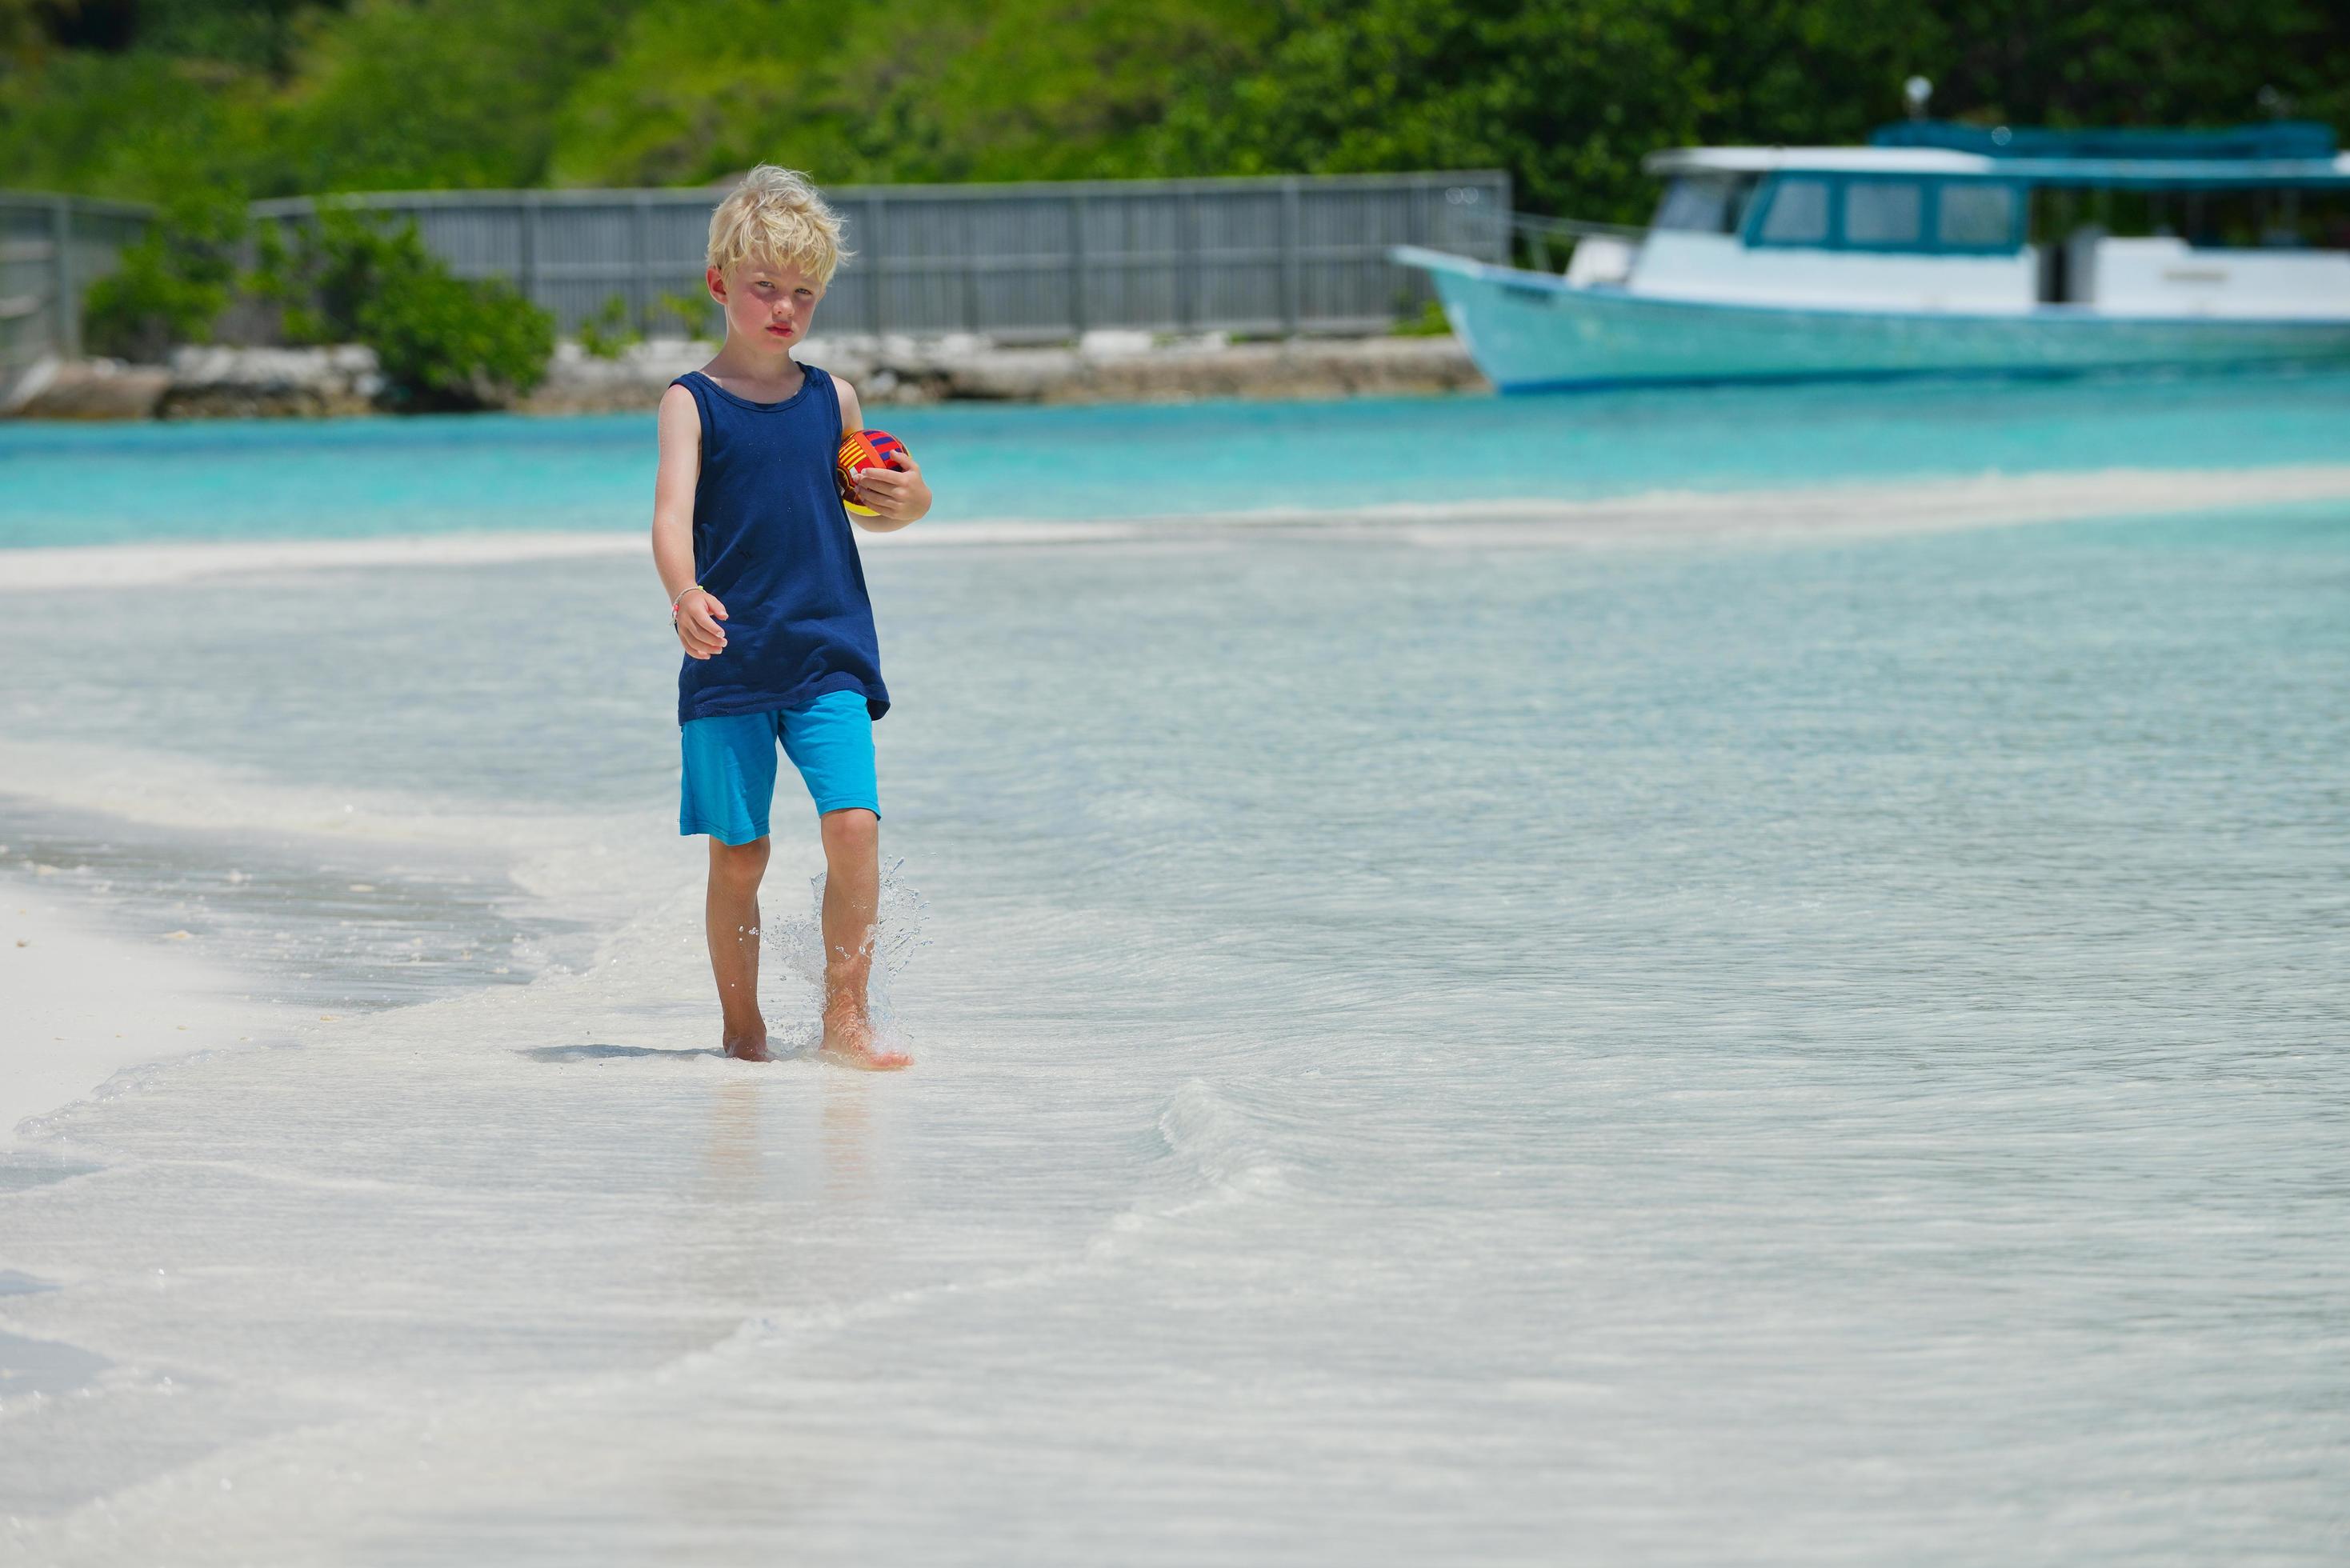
<point>862,450</point>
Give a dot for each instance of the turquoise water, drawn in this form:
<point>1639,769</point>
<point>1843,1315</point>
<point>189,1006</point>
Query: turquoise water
<point>271,480</point>
<point>1429,1047</point>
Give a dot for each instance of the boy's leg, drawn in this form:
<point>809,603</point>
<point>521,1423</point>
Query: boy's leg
<point>730,916</point>
<point>831,742</point>
<point>728,783</point>
<point>852,900</point>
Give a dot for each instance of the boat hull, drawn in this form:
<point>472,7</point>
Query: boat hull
<point>1530,331</point>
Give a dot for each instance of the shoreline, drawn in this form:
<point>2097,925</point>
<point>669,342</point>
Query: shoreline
<point>224,382</point>
<point>87,1004</point>
<point>1642,518</point>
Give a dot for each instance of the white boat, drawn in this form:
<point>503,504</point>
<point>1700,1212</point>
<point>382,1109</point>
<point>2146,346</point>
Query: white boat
<point>1938,248</point>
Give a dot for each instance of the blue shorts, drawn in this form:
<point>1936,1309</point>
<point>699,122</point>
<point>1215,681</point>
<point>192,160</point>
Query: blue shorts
<point>729,765</point>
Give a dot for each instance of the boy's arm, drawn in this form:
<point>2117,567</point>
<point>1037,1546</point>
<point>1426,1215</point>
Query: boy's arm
<point>897,493</point>
<point>694,613</point>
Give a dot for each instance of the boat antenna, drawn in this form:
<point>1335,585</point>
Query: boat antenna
<point>1914,94</point>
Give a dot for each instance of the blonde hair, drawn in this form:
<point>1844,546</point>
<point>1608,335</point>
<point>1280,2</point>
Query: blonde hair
<point>774,215</point>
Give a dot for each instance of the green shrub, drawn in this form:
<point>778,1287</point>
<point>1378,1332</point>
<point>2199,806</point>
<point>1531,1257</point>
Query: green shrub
<point>606,335</point>
<point>1431,322</point>
<point>693,311</point>
<point>442,342</point>
<point>169,286</point>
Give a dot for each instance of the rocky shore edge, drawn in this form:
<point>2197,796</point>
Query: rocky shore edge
<point>1102,366</point>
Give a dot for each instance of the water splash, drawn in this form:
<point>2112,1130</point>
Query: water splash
<point>796,946</point>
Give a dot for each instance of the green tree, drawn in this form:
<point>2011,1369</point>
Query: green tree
<point>171,286</point>
<point>1567,94</point>
<point>441,341</point>
<point>2179,62</point>
<point>901,90</point>
<point>437,93</point>
<point>279,97</point>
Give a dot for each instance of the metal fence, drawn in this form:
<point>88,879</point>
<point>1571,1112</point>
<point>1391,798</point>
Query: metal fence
<point>51,247</point>
<point>1016,263</point>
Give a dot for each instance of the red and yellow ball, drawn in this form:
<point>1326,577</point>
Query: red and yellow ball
<point>862,450</point>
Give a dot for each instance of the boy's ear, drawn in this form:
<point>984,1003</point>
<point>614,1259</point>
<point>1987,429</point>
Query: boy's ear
<point>717,280</point>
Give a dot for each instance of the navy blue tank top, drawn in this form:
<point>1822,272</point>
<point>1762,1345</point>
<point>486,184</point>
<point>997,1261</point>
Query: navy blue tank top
<point>771,540</point>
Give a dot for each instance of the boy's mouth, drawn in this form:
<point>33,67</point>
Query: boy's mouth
<point>780,328</point>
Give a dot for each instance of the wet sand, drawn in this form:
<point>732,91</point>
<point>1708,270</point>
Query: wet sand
<point>85,1004</point>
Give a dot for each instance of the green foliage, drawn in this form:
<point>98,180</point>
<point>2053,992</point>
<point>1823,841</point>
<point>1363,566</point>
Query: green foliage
<point>22,40</point>
<point>1431,322</point>
<point>1569,97</point>
<point>462,93</point>
<point>694,312</point>
<point>281,97</point>
<point>2179,62</point>
<point>171,286</point>
<point>68,124</point>
<point>897,89</point>
<point>929,90</point>
<point>262,34</point>
<point>606,335</point>
<point>444,343</point>
<point>321,274</point>
<point>441,341</point>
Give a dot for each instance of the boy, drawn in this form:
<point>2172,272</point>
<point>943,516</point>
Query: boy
<point>754,549</point>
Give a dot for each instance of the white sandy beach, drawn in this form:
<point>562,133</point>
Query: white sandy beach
<point>85,1004</point>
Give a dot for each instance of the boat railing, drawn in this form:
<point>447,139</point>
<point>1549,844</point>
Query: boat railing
<point>1548,243</point>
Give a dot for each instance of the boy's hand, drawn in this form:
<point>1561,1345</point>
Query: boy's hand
<point>698,615</point>
<point>897,493</point>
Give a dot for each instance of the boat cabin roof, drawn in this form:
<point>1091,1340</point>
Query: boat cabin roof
<point>2288,153</point>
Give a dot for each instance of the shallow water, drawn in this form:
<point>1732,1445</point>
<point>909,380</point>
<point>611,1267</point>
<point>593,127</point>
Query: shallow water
<point>1805,1052</point>
<point>64,484</point>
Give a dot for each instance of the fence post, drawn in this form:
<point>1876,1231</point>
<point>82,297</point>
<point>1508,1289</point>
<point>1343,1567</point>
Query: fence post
<point>1187,262</point>
<point>1077,264</point>
<point>528,277</point>
<point>641,287</point>
<point>1292,259</point>
<point>877,321</point>
<point>969,269</point>
<point>66,310</point>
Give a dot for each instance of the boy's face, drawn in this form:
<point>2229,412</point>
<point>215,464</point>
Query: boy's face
<point>767,302</point>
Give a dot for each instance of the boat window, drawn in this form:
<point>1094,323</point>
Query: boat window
<point>1797,213</point>
<point>1884,213</point>
<point>1976,217</point>
<point>1703,204</point>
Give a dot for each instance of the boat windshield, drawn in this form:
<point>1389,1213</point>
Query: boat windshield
<point>1705,203</point>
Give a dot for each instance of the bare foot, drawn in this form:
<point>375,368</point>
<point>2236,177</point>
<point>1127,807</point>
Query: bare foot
<point>849,1041</point>
<point>750,1046</point>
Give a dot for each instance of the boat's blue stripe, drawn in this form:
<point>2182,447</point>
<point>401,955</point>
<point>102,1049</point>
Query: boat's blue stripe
<point>1519,280</point>
<point>1919,373</point>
